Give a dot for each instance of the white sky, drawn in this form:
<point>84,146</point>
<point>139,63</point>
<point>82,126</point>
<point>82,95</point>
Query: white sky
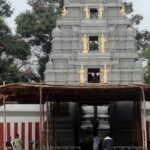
<point>140,6</point>
<point>18,6</point>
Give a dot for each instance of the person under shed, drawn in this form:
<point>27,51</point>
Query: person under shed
<point>108,142</point>
<point>17,142</point>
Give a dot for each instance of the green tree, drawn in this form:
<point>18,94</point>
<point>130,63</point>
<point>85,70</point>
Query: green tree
<point>12,48</point>
<point>36,26</point>
<point>143,40</point>
<point>147,68</point>
<point>142,37</point>
<point>5,10</point>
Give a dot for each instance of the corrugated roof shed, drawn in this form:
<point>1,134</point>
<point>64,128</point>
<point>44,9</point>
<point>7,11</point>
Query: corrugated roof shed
<point>87,93</point>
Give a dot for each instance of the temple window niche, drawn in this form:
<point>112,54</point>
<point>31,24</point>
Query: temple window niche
<point>93,75</point>
<point>93,43</point>
<point>93,13</point>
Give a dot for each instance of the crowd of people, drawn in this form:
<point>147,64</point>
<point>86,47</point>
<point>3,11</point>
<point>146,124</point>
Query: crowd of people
<point>14,144</point>
<point>107,143</point>
<point>96,143</point>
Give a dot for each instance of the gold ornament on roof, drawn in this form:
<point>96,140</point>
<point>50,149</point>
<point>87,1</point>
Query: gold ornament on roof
<point>104,74</point>
<point>122,11</point>
<point>102,43</point>
<point>86,11</point>
<point>100,11</point>
<point>64,12</point>
<point>85,42</point>
<point>82,74</point>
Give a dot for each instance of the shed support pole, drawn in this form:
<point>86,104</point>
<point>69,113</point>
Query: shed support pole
<point>43,127</point>
<point>143,119</point>
<point>4,114</point>
<point>47,126</point>
<point>41,124</point>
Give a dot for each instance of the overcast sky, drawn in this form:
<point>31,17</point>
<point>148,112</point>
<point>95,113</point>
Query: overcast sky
<point>140,6</point>
<point>18,6</point>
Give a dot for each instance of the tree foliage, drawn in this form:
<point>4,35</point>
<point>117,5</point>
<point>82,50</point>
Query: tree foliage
<point>5,9</point>
<point>142,37</point>
<point>135,18</point>
<point>37,24</point>
<point>147,68</point>
<point>11,48</point>
<point>143,40</point>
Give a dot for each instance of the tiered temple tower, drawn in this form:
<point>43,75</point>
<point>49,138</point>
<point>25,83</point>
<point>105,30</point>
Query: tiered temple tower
<point>93,19</point>
<point>93,42</point>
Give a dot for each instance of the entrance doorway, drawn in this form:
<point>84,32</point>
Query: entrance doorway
<point>94,120</point>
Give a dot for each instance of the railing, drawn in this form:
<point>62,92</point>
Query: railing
<point>128,148</point>
<point>35,145</point>
<point>59,148</point>
<point>51,148</point>
<point>64,148</point>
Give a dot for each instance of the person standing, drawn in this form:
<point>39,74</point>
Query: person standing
<point>96,142</point>
<point>108,142</point>
<point>17,142</point>
<point>9,144</point>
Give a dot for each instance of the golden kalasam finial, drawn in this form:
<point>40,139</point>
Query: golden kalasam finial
<point>82,74</point>
<point>85,42</point>
<point>100,11</point>
<point>64,12</point>
<point>122,11</point>
<point>102,43</point>
<point>104,74</point>
<point>86,11</point>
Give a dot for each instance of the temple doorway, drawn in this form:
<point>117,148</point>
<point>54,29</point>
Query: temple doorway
<point>95,120</point>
